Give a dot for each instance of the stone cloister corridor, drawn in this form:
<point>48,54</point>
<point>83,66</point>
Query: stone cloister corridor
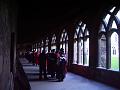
<point>81,38</point>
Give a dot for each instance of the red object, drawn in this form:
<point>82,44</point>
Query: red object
<point>36,57</point>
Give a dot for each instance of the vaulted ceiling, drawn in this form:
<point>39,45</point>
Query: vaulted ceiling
<point>36,18</point>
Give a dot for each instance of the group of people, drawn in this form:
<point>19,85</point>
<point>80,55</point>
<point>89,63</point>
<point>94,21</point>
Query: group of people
<point>52,63</point>
<point>32,57</point>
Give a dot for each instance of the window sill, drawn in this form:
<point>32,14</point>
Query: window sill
<point>107,69</point>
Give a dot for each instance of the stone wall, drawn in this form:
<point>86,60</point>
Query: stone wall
<point>5,47</point>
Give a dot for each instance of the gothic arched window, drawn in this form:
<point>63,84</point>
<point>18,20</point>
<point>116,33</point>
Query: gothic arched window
<point>64,42</point>
<point>81,45</point>
<point>53,42</point>
<point>46,44</point>
<point>108,41</point>
<point>39,49</point>
<point>42,45</point>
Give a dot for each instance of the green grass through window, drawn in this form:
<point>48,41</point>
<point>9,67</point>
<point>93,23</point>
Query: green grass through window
<point>115,63</point>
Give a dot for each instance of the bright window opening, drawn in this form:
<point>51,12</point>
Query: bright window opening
<point>114,52</point>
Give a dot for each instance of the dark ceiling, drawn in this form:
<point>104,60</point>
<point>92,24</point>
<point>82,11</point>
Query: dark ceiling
<point>35,18</point>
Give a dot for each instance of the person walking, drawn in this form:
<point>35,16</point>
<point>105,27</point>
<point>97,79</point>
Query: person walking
<point>42,65</point>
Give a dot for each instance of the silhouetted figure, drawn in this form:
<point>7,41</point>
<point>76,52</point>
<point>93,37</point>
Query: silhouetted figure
<point>36,55</point>
<point>27,56</point>
<point>52,61</point>
<point>33,58</point>
<point>61,67</point>
<point>42,65</point>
